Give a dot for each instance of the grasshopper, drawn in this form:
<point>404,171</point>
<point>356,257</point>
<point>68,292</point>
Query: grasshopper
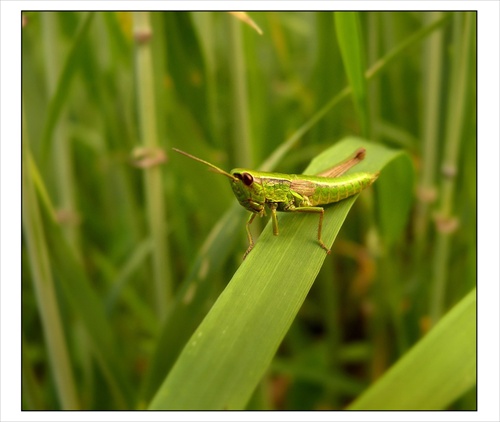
<point>293,192</point>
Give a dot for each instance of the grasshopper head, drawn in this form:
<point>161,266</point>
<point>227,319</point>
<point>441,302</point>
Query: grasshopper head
<point>248,190</point>
<point>246,187</point>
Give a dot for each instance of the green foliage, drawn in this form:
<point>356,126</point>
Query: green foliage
<point>128,249</point>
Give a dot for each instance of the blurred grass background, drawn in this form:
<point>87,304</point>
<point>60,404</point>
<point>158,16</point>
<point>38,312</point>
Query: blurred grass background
<point>119,234</point>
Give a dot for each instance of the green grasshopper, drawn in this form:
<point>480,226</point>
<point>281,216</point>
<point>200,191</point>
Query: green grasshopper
<point>293,192</point>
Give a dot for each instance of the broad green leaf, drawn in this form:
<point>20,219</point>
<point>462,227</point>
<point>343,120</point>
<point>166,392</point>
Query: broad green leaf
<point>436,371</point>
<point>193,298</point>
<point>227,355</point>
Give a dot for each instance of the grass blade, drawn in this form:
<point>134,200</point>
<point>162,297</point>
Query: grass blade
<point>351,46</point>
<point>227,355</point>
<point>434,373</point>
<point>43,282</point>
<point>60,96</point>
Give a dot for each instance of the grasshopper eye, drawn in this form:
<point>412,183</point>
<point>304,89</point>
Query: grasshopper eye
<point>246,178</point>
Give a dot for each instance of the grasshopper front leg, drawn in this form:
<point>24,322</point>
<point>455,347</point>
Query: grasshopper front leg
<point>249,235</point>
<point>321,212</point>
<point>274,218</point>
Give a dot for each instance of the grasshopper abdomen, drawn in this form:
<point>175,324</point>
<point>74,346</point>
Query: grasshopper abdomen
<point>334,190</point>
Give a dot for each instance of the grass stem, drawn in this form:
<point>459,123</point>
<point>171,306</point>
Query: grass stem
<point>153,183</point>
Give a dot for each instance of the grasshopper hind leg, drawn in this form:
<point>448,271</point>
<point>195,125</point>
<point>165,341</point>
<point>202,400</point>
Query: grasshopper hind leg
<point>321,212</point>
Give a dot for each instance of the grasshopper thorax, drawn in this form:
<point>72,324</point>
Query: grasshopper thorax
<point>248,190</point>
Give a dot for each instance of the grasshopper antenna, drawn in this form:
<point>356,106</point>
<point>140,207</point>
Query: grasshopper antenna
<point>213,167</point>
